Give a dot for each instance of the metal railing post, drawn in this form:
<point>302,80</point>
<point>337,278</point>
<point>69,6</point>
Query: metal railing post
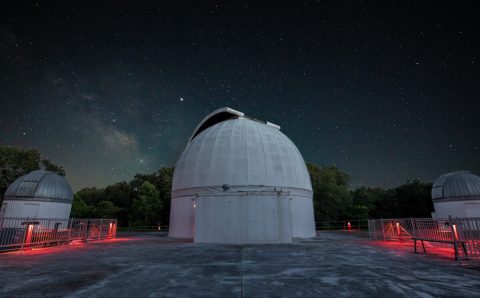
<point>369,230</point>
<point>383,230</point>
<point>24,235</point>
<point>412,222</point>
<point>453,229</point>
<point>100,231</point>
<point>69,226</point>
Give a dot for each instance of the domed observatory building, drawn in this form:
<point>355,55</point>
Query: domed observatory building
<point>39,194</point>
<point>240,180</point>
<point>456,194</point>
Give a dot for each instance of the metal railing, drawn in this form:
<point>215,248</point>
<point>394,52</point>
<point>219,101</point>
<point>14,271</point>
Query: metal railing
<point>468,233</point>
<point>20,233</point>
<point>391,229</point>
<point>354,224</point>
<point>462,233</point>
<point>157,228</point>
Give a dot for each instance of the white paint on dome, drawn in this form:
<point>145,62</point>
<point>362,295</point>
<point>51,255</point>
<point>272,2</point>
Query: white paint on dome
<point>456,194</point>
<point>39,194</point>
<point>266,194</point>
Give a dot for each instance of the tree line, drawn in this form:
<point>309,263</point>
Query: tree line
<point>16,162</point>
<point>145,200</point>
<point>333,200</point>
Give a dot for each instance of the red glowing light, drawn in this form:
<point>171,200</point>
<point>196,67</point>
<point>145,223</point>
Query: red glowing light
<point>406,247</point>
<point>349,226</point>
<point>74,245</point>
<point>28,236</point>
<point>110,230</point>
<point>398,229</point>
<point>454,227</point>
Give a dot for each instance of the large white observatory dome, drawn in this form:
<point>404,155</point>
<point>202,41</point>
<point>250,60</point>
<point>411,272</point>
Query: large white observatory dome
<point>456,194</point>
<point>240,180</point>
<point>39,194</point>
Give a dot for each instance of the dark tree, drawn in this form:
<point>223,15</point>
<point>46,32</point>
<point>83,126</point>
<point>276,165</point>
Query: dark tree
<point>80,209</point>
<point>106,209</point>
<point>15,162</point>
<point>145,200</point>
<point>331,197</point>
<point>50,166</point>
<point>164,187</point>
<point>386,205</point>
<point>146,208</point>
<point>90,195</point>
<point>121,195</point>
<point>414,199</point>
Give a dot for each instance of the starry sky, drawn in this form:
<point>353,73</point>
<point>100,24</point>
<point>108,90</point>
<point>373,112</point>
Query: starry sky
<point>385,91</point>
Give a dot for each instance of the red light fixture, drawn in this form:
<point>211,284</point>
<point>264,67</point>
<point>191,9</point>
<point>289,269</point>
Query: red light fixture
<point>455,234</point>
<point>28,235</point>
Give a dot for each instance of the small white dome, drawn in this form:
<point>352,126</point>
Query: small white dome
<point>42,186</point>
<point>461,185</point>
<point>240,152</point>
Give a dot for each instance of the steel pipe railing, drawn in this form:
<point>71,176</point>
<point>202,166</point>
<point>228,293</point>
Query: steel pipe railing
<point>463,233</point>
<point>352,224</point>
<point>20,233</point>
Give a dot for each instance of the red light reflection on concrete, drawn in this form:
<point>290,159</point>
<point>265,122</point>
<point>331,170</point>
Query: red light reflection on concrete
<point>116,240</point>
<point>73,246</point>
<point>443,251</point>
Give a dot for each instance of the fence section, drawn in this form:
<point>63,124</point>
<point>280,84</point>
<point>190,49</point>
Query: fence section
<point>462,233</point>
<point>157,228</point>
<point>391,229</point>
<point>353,224</point>
<point>21,233</point>
<point>467,231</point>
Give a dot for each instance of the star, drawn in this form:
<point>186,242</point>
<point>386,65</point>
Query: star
<point>361,90</point>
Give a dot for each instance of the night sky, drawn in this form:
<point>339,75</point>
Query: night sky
<point>386,92</point>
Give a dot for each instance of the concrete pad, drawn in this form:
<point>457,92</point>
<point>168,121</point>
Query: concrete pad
<point>153,265</point>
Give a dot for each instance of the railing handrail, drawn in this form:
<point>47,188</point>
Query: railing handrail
<point>461,232</point>
<point>21,232</point>
<point>348,224</point>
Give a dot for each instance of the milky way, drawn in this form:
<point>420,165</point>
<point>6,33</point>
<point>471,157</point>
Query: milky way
<point>386,93</point>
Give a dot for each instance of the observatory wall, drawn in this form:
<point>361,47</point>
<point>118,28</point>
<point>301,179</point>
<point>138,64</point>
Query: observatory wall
<point>457,209</point>
<point>182,216</point>
<point>35,209</point>
<point>243,218</point>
